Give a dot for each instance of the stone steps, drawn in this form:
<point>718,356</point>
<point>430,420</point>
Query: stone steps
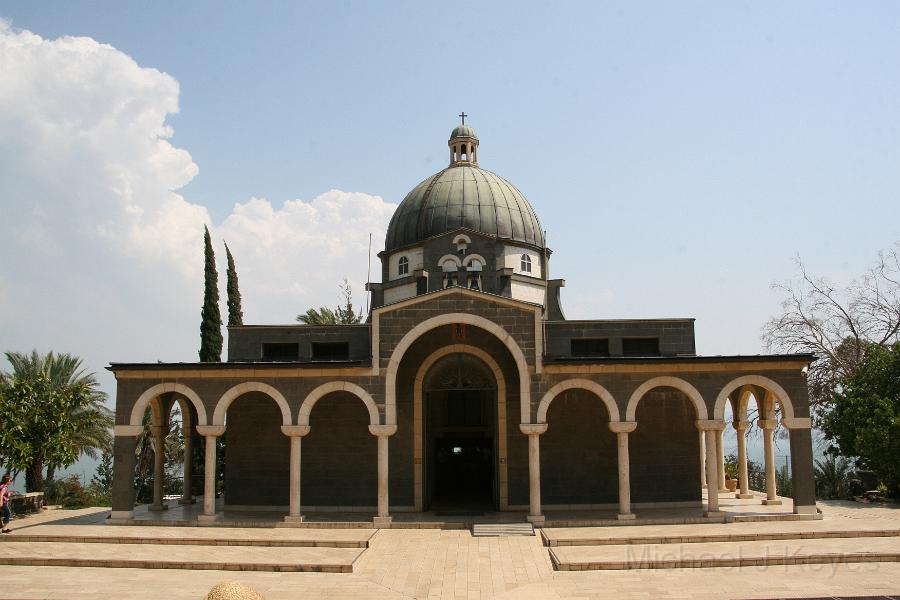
<point>726,554</point>
<point>175,556</point>
<point>600,537</point>
<point>501,529</point>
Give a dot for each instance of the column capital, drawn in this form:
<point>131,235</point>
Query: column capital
<point>382,430</point>
<point>766,423</point>
<point>533,428</point>
<point>710,424</point>
<point>622,426</point>
<point>741,425</point>
<point>797,422</point>
<point>210,430</point>
<point>295,430</point>
<point>127,430</point>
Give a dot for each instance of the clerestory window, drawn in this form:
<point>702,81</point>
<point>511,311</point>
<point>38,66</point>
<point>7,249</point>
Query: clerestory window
<point>403,266</point>
<point>526,263</point>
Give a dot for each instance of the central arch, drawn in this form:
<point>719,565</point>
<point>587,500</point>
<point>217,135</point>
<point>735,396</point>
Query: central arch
<point>137,413</point>
<point>251,386</point>
<point>418,424</point>
<point>673,382</point>
<point>787,407</point>
<point>390,384</point>
<point>587,384</point>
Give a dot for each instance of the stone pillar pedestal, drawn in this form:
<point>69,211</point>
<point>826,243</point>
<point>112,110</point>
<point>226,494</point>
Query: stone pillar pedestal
<point>296,433</point>
<point>802,472</point>
<point>123,472</point>
<point>534,431</point>
<point>720,458</point>
<point>702,459</point>
<point>622,429</point>
<point>710,428</point>
<point>186,496</point>
<point>383,518</point>
<point>768,427</point>
<point>743,477</point>
<point>210,433</point>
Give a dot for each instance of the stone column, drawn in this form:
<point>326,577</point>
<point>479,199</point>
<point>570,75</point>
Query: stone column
<point>702,459</point>
<point>710,429</point>
<point>210,433</point>
<point>720,458</point>
<point>159,466</point>
<point>296,433</point>
<point>768,427</point>
<point>187,497</point>
<point>740,427</point>
<point>802,472</point>
<point>534,431</point>
<point>123,472</point>
<point>622,429</point>
<point>382,432</point>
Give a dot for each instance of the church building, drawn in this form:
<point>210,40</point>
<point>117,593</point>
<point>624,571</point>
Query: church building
<point>466,391</point>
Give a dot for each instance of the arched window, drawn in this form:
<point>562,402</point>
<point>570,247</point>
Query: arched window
<point>475,265</point>
<point>526,263</point>
<point>403,266</point>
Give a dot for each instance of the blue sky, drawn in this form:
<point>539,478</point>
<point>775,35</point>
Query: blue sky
<point>680,155</point>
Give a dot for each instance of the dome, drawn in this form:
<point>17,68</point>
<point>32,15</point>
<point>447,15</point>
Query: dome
<point>463,131</point>
<point>464,196</point>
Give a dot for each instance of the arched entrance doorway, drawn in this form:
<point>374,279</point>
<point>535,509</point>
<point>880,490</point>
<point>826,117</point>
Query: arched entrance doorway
<point>460,433</point>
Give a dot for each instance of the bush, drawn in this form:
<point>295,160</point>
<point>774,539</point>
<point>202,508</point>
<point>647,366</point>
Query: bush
<point>833,479</point>
<point>70,493</point>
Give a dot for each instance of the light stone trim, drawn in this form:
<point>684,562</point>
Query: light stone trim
<point>338,386</point>
<point>127,430</point>
<point>787,406</point>
<point>418,421</point>
<point>710,424</point>
<point>797,422</point>
<point>390,384</point>
<point>805,510</point>
<point>382,430</point>
<point>533,428</point>
<point>451,257</point>
<point>244,388</point>
<point>622,426</point>
<point>676,367</point>
<point>210,430</point>
<point>137,413</point>
<point>241,373</point>
<point>666,381</point>
<point>470,257</point>
<point>585,384</point>
<point>295,430</point>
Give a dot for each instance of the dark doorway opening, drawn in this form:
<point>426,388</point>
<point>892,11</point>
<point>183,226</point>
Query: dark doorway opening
<point>460,438</point>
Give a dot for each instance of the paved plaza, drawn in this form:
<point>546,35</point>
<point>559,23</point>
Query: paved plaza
<point>435,563</point>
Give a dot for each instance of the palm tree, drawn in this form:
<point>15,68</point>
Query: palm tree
<point>832,477</point>
<point>92,419</point>
<point>342,315</point>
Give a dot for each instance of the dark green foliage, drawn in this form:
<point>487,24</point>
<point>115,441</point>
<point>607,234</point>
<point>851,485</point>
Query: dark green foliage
<point>103,477</point>
<point>784,483</point>
<point>53,412</point>
<point>833,478</point>
<point>235,314</point>
<point>342,315</point>
<point>210,318</point>
<point>864,421</point>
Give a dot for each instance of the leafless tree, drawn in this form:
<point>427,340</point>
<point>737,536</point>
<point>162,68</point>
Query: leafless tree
<point>837,323</point>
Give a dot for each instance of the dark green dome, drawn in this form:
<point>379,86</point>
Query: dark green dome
<point>464,197</point>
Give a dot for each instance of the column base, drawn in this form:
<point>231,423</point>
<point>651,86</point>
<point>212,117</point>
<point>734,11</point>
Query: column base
<point>744,496</point>
<point>294,518</point>
<point>187,501</point>
<point>157,507</point>
<point>772,502</point>
<point>118,517</point>
<point>626,516</point>
<point>535,519</point>
<point>712,514</point>
<point>382,522</point>
<point>209,518</point>
<point>805,510</point>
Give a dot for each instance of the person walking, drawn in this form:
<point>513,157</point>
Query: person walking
<point>5,514</point>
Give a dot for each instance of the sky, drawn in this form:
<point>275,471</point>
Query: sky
<point>681,156</point>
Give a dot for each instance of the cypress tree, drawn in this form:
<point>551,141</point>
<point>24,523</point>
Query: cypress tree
<point>235,314</point>
<point>210,318</point>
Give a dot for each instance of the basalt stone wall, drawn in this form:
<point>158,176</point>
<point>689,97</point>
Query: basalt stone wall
<point>339,456</point>
<point>257,454</point>
<point>579,459</point>
<point>665,449</point>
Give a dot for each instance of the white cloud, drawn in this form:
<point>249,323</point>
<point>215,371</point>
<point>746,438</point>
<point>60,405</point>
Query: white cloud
<point>102,257</point>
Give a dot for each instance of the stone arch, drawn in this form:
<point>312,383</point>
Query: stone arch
<point>587,384</point>
<point>470,257</point>
<point>137,413</point>
<point>418,441</point>
<point>787,406</point>
<point>666,381</point>
<point>251,386</point>
<point>337,386</point>
<point>451,257</point>
<point>390,384</point>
